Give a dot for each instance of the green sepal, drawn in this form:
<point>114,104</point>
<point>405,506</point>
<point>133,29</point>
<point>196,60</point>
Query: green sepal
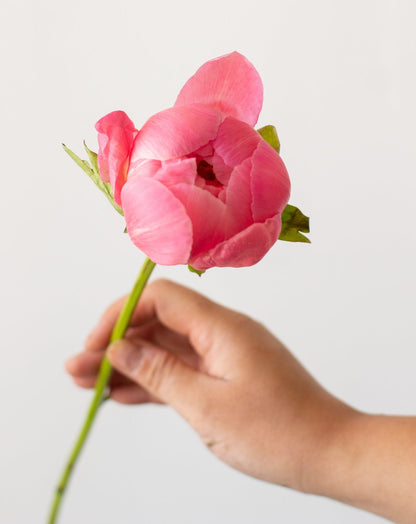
<point>293,222</point>
<point>269,134</point>
<point>193,270</point>
<point>93,160</point>
<point>93,172</point>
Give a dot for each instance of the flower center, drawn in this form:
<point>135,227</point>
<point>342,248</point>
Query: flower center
<point>206,171</point>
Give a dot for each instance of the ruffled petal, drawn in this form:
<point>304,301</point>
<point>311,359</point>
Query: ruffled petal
<point>170,172</point>
<point>207,215</point>
<point>116,135</point>
<point>235,142</point>
<point>270,184</point>
<point>244,249</point>
<point>173,172</point>
<point>157,222</point>
<point>146,168</point>
<point>176,132</point>
<point>238,200</point>
<point>229,83</point>
<point>221,169</point>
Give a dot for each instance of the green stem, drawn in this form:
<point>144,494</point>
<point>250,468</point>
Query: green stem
<point>101,385</point>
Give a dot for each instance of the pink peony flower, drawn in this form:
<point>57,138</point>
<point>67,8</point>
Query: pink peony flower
<point>198,184</point>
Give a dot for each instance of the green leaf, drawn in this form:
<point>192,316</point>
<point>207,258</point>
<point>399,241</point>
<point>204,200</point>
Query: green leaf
<point>83,164</point>
<point>193,270</point>
<point>93,159</point>
<point>293,222</point>
<point>93,172</point>
<point>269,134</point>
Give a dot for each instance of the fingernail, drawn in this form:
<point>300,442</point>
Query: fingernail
<point>124,355</point>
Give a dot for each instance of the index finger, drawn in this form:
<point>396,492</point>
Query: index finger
<point>177,307</point>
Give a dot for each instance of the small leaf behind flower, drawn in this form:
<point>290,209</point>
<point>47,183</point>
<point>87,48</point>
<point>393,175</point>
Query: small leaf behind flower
<point>93,172</point>
<point>293,222</point>
<point>83,164</point>
<point>93,159</point>
<point>269,134</point>
<point>193,270</point>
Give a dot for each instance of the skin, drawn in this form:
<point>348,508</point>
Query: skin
<point>252,403</point>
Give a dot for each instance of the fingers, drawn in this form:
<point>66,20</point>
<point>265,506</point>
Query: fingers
<point>87,363</point>
<point>84,364</point>
<point>173,318</point>
<point>88,381</point>
<point>164,376</point>
<point>124,394</point>
<point>84,369</point>
<point>178,308</point>
<point>185,312</point>
<point>132,394</point>
<point>100,335</point>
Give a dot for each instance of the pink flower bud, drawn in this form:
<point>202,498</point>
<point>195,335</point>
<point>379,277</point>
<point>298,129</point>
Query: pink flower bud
<point>197,184</point>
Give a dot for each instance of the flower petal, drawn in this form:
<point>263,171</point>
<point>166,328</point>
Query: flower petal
<point>116,134</point>
<point>146,168</point>
<point>157,222</point>
<point>270,184</point>
<point>229,83</point>
<point>176,132</point>
<point>235,142</point>
<point>244,249</point>
<point>238,200</point>
<point>221,169</point>
<point>206,213</point>
<point>173,172</point>
<point>169,172</point>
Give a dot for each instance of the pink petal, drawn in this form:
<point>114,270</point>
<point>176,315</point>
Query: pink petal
<point>215,190</point>
<point>235,142</point>
<point>229,83</point>
<point>145,168</point>
<point>156,221</point>
<point>173,172</point>
<point>221,169</point>
<point>204,151</point>
<point>176,132</point>
<point>116,134</point>
<point>238,200</point>
<point>244,249</point>
<point>170,172</point>
<point>206,213</point>
<point>270,184</point>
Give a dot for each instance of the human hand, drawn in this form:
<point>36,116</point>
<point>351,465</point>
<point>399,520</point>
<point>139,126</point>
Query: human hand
<point>248,398</point>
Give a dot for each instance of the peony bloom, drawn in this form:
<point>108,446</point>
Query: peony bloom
<point>197,183</point>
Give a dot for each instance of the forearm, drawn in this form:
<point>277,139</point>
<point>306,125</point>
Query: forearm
<point>369,461</point>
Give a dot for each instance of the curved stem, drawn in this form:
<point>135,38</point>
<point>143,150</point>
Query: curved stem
<point>101,385</point>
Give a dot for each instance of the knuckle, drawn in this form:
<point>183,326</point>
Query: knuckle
<point>239,322</point>
<point>156,369</point>
<point>240,319</point>
<point>159,283</point>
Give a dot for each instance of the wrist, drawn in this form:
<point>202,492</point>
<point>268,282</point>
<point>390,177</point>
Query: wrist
<point>367,461</point>
<point>326,458</point>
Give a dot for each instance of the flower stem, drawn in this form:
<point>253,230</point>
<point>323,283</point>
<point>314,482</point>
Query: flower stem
<point>100,393</point>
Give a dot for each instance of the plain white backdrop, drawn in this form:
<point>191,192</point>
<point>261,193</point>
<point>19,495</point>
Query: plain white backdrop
<point>340,87</point>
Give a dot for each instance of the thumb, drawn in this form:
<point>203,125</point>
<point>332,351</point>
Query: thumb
<point>163,375</point>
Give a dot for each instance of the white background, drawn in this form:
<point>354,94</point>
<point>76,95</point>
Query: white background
<point>340,87</point>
